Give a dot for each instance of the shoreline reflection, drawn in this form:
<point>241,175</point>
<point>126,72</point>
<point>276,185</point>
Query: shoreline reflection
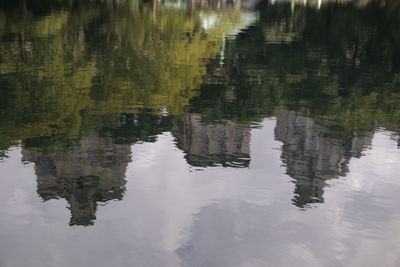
<point>199,133</point>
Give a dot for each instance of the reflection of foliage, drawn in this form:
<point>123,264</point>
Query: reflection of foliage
<point>43,88</point>
<point>82,59</point>
<point>155,61</point>
<point>342,69</point>
<point>90,57</point>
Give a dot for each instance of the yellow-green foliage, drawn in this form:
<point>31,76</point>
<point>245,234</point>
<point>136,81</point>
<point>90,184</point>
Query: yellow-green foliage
<point>140,58</point>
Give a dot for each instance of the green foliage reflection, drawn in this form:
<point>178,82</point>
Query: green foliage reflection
<point>99,58</point>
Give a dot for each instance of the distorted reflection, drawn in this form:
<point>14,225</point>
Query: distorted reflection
<point>102,61</point>
<point>91,169</point>
<point>298,66</point>
<point>199,132</point>
<point>312,154</point>
<point>87,173</point>
<point>96,57</point>
<point>209,145</point>
<point>83,81</point>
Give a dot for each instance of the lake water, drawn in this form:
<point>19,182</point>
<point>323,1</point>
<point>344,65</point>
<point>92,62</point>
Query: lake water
<point>199,133</point>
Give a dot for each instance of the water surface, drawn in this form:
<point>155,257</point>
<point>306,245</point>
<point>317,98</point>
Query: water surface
<point>247,133</point>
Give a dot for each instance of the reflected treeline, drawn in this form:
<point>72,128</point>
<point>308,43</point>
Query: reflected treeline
<point>335,65</point>
<point>67,57</point>
<point>329,75</point>
<point>81,81</point>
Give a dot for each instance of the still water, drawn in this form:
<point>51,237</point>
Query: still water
<point>199,133</point>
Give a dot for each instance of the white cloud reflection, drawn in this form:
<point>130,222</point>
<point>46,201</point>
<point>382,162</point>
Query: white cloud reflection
<point>173,215</point>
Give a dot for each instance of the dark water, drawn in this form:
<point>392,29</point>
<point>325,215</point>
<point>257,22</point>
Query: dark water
<point>199,133</point>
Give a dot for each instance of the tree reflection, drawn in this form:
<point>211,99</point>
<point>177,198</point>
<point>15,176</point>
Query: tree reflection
<point>101,57</point>
<point>329,76</point>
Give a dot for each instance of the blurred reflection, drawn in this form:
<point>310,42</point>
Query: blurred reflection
<point>313,71</point>
<point>312,154</point>
<point>91,171</point>
<point>60,60</point>
<point>214,125</point>
<point>208,145</point>
<point>81,81</point>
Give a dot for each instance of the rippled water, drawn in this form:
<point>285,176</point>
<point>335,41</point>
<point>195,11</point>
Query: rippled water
<point>199,133</point>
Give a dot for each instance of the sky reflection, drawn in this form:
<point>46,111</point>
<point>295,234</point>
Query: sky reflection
<point>172,215</point>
